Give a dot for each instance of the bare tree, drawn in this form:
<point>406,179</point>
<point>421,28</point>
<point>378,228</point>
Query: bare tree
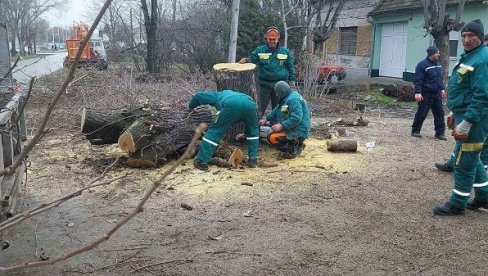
<point>151,24</point>
<point>324,14</point>
<point>21,16</point>
<point>439,24</point>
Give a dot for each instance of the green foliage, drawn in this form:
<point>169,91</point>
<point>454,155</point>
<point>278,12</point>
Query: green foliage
<point>253,22</point>
<point>252,25</point>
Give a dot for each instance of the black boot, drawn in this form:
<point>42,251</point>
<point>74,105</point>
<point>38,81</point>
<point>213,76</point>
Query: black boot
<point>444,167</point>
<point>476,204</point>
<point>447,209</point>
<point>416,134</point>
<point>440,137</point>
<point>252,162</point>
<point>199,164</point>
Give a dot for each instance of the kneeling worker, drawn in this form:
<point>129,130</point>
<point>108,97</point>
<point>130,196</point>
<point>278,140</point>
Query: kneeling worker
<point>232,107</point>
<point>290,121</point>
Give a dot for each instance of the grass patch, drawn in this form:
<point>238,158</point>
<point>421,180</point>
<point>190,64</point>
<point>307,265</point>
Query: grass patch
<point>379,98</point>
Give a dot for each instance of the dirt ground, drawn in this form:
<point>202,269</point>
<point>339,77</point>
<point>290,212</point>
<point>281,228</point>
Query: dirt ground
<point>368,212</point>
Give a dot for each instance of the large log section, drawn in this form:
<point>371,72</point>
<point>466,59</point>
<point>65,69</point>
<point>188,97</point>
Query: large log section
<point>237,77</point>
<point>149,134</point>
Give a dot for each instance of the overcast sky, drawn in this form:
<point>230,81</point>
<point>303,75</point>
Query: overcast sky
<point>74,10</point>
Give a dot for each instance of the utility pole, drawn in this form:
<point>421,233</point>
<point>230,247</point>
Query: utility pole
<point>233,31</point>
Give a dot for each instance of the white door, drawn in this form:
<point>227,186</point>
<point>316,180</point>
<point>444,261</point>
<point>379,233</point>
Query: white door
<point>393,49</point>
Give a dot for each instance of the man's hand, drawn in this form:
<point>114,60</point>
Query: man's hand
<point>450,121</point>
<point>443,94</point>
<point>263,121</point>
<point>461,132</point>
<point>243,60</point>
<point>418,97</point>
<point>277,127</point>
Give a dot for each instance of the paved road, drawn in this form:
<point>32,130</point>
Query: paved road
<point>41,66</point>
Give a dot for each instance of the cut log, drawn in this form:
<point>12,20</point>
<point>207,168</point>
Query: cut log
<point>105,126</point>
<point>342,146</point>
<point>350,122</point>
<point>240,78</point>
<point>161,136</point>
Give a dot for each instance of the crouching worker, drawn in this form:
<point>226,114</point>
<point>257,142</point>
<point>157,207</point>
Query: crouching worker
<point>289,121</point>
<point>232,107</point>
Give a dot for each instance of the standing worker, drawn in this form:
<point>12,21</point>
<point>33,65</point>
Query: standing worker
<point>275,63</point>
<point>290,121</point>
<point>448,166</point>
<point>232,107</point>
<point>468,101</point>
<point>429,93</point>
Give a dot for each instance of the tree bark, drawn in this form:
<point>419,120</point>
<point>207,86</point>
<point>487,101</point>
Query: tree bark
<point>240,78</point>
<point>342,146</point>
<point>164,134</point>
<point>105,126</point>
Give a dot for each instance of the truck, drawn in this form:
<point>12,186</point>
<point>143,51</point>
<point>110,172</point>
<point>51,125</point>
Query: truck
<point>90,57</point>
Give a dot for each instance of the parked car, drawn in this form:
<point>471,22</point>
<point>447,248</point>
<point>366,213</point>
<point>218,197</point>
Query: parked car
<point>320,71</point>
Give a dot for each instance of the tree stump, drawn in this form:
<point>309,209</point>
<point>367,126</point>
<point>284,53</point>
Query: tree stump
<point>240,78</point>
<point>342,146</point>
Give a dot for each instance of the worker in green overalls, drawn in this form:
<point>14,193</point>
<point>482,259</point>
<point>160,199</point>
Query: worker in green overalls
<point>232,107</point>
<point>467,98</point>
<point>448,166</point>
<point>276,63</point>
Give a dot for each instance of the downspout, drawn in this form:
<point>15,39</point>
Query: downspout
<point>373,33</point>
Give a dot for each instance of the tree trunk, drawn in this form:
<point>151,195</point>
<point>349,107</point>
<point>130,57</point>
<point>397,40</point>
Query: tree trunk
<point>151,140</point>
<point>240,78</point>
<point>342,146</point>
<point>105,126</point>
<point>441,41</point>
<point>233,31</point>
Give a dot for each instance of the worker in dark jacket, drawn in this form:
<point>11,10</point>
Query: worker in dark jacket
<point>448,166</point>
<point>429,93</point>
<point>290,121</point>
<point>275,63</point>
<point>232,107</point>
<point>468,101</point>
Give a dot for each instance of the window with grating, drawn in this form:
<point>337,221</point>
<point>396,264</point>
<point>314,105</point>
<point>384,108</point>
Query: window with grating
<point>348,40</point>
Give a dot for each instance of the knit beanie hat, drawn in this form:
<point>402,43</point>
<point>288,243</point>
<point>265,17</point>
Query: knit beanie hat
<point>282,89</point>
<point>476,27</point>
<point>432,50</point>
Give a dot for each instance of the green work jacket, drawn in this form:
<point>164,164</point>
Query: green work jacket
<point>274,65</point>
<point>293,114</point>
<point>467,91</point>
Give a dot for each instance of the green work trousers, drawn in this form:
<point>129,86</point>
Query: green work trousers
<point>469,171</point>
<point>266,92</point>
<point>235,109</point>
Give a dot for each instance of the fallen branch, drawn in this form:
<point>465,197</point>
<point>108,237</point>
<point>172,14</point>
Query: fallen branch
<point>138,209</point>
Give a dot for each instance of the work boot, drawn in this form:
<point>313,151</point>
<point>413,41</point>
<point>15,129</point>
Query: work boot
<point>440,137</point>
<point>252,162</point>
<point>444,167</point>
<point>199,164</point>
<point>476,204</point>
<point>416,134</point>
<point>447,209</point>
